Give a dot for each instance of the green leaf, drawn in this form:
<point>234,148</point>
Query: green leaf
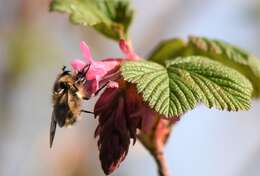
<point>217,50</point>
<point>182,83</point>
<point>167,49</point>
<point>110,17</point>
<point>229,55</point>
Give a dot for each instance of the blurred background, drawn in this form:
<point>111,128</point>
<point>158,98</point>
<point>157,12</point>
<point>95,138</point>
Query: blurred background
<point>35,44</point>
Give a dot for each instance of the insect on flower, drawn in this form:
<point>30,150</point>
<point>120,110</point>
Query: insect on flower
<point>87,80</point>
<point>68,93</point>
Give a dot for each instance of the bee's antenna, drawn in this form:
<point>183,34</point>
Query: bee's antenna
<point>101,88</point>
<point>85,111</point>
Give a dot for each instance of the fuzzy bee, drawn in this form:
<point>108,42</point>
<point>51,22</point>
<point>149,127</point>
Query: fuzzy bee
<point>67,95</point>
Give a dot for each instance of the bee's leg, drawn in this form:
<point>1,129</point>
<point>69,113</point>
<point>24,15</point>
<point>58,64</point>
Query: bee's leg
<point>109,80</point>
<point>75,87</point>
<point>85,111</point>
<point>101,88</point>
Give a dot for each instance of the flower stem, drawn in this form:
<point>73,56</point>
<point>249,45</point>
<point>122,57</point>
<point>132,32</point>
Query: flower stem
<point>158,155</point>
<point>161,163</point>
<point>154,141</point>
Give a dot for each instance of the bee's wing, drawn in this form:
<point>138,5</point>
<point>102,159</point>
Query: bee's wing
<point>52,128</point>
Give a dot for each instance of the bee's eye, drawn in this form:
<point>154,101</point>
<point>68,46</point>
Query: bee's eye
<point>63,85</point>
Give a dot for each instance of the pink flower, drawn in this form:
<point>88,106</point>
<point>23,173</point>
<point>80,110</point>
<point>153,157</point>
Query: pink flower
<point>100,72</point>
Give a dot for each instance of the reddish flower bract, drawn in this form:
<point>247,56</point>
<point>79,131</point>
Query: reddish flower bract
<point>120,112</point>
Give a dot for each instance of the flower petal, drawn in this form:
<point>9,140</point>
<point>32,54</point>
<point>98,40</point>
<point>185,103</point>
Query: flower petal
<point>77,64</point>
<point>99,72</point>
<point>86,52</point>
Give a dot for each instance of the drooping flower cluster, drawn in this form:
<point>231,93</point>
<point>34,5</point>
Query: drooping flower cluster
<point>120,110</point>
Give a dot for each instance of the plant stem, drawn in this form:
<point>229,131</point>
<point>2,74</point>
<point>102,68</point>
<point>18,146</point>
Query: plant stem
<point>155,140</point>
<point>161,163</point>
<point>158,156</point>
